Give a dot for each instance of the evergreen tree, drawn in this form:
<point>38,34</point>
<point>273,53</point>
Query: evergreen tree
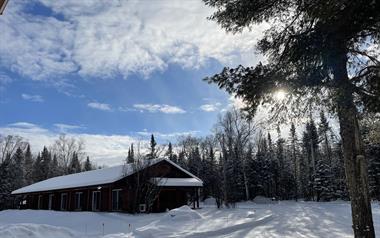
<point>18,169</point>
<point>74,166</point>
<point>6,182</point>
<point>152,152</point>
<point>55,169</point>
<point>295,155</point>
<point>131,155</point>
<point>28,166</point>
<point>37,173</point>
<point>87,164</point>
<point>169,152</point>
<point>45,164</point>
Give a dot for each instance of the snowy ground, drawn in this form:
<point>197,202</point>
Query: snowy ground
<point>285,219</point>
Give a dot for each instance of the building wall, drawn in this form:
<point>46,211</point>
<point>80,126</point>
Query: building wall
<point>168,198</point>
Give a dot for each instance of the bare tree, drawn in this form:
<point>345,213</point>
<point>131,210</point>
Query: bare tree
<point>65,147</point>
<point>9,145</point>
<point>144,185</point>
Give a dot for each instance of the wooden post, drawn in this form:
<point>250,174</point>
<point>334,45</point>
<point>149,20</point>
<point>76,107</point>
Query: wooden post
<point>194,198</point>
<point>197,189</point>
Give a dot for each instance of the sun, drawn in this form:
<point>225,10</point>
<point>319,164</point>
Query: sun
<point>280,95</point>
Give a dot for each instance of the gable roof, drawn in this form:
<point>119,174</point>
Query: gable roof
<point>94,177</point>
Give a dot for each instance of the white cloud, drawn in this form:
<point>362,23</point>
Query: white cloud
<point>32,98</point>
<point>4,80</point>
<point>164,108</point>
<point>166,136</point>
<point>103,149</point>
<point>211,107</point>
<point>64,128</point>
<point>104,38</point>
<point>99,106</point>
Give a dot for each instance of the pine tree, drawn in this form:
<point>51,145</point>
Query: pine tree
<point>6,182</point>
<point>87,164</point>
<point>313,52</point>
<point>45,164</point>
<point>55,169</point>
<point>294,155</point>
<point>18,169</point>
<point>169,152</point>
<point>74,166</point>
<point>28,166</point>
<point>152,153</point>
<point>131,155</point>
<point>37,173</point>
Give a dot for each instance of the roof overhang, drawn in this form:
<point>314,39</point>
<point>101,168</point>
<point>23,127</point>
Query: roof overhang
<point>3,3</point>
<point>177,182</point>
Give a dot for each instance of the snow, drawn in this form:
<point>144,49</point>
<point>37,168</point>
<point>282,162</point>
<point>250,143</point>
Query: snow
<point>183,182</point>
<point>100,176</point>
<point>210,201</point>
<point>282,219</point>
<point>263,200</point>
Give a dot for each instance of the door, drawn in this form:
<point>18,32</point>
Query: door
<point>96,200</point>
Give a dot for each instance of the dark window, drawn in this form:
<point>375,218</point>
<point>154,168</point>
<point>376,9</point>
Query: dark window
<point>63,201</point>
<point>96,200</point>
<point>39,202</point>
<point>116,199</point>
<point>78,201</point>
<point>50,207</point>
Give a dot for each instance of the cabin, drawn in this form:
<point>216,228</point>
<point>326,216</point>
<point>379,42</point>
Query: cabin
<point>114,189</point>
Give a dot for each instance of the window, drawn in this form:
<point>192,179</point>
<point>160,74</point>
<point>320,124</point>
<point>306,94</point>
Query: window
<point>50,207</point>
<point>116,199</point>
<point>63,201</point>
<point>39,205</point>
<point>96,200</point>
<point>78,201</point>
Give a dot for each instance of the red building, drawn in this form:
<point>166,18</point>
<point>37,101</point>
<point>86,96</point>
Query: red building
<point>113,189</point>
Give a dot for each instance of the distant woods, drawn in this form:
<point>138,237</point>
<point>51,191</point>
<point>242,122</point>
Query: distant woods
<point>19,167</point>
<point>241,160</point>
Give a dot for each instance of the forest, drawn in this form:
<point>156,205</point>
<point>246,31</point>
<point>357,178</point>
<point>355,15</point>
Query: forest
<point>237,161</point>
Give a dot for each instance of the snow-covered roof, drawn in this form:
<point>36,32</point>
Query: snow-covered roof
<point>92,178</point>
<point>178,182</point>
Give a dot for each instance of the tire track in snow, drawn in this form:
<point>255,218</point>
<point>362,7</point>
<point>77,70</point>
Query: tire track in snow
<point>228,230</point>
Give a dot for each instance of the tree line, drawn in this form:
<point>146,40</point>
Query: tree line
<point>241,160</point>
<point>19,167</point>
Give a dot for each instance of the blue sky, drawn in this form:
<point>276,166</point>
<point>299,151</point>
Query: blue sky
<point>112,72</point>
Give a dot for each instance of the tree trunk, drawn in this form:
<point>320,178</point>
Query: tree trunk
<point>353,152</point>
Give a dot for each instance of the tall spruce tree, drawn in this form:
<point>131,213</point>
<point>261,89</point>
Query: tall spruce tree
<point>87,164</point>
<point>74,166</point>
<point>18,162</point>
<point>295,155</point>
<point>6,181</point>
<point>310,48</point>
<point>37,173</point>
<point>28,166</point>
<point>45,164</point>
<point>152,150</point>
<point>169,152</point>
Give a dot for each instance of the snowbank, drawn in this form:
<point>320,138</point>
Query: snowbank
<point>210,201</point>
<point>184,213</point>
<point>286,219</point>
<point>263,200</point>
<point>35,231</point>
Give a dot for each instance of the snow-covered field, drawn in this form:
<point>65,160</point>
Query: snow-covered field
<point>284,219</point>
